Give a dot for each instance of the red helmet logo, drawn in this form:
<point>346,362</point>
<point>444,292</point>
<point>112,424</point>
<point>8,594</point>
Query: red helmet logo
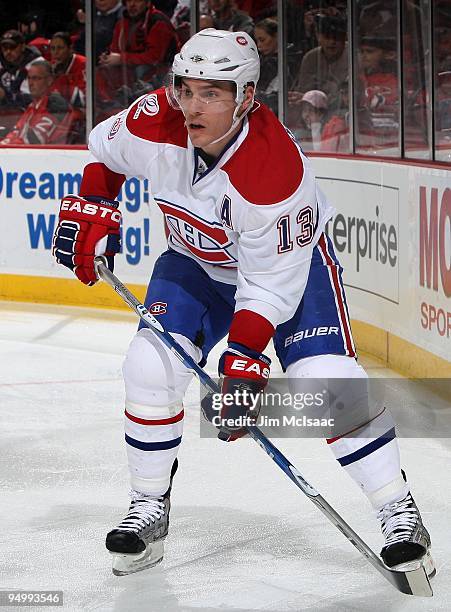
<point>241,40</point>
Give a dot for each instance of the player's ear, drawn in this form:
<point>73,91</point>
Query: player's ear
<point>248,98</point>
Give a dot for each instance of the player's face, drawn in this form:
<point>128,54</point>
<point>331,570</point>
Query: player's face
<point>59,51</point>
<point>208,107</point>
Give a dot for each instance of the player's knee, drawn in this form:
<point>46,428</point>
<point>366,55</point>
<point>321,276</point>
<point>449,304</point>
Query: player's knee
<point>341,384</point>
<point>326,366</point>
<point>152,373</point>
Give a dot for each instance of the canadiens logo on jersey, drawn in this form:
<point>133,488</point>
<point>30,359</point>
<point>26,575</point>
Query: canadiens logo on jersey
<point>158,308</point>
<point>206,240</point>
<point>148,105</point>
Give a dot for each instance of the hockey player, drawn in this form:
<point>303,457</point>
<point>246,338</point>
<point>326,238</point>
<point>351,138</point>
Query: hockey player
<point>247,257</point>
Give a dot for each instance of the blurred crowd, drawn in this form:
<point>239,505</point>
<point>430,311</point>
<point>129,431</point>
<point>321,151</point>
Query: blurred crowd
<point>43,72</point>
<point>43,65</point>
<point>319,96</point>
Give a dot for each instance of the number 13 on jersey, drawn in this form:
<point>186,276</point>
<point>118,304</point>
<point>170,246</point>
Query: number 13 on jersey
<point>303,232</point>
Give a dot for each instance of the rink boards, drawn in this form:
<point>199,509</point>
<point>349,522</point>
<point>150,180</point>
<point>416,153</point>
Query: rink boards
<point>391,231</point>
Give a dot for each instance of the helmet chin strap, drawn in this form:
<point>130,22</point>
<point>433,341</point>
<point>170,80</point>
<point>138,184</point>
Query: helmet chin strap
<point>235,122</point>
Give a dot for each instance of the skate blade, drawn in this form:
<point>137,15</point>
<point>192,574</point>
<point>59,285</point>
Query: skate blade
<point>429,565</point>
<point>124,564</point>
<point>427,562</point>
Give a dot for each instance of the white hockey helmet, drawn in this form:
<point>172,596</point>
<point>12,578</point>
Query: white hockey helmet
<point>219,55</point>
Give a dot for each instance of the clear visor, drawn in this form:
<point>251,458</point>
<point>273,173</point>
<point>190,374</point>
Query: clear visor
<point>202,96</point>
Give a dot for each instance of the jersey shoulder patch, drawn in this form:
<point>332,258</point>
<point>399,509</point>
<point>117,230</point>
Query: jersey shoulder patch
<point>267,168</point>
<point>152,118</point>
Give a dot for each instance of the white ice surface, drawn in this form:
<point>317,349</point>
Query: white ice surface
<point>242,536</point>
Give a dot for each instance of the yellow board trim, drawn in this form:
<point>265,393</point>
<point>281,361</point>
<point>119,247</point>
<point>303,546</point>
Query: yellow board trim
<point>71,292</point>
<point>400,355</point>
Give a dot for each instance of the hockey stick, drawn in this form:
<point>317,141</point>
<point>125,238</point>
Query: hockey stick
<point>410,582</point>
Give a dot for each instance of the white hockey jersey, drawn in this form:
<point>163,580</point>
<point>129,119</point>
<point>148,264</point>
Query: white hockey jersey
<point>250,219</point>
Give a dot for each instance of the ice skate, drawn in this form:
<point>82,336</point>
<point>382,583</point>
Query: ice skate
<point>137,543</point>
<point>407,541</point>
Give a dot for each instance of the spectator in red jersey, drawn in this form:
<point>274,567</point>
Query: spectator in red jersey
<point>377,121</point>
<point>379,72</point>
<point>144,44</point>
<point>69,70</point>
<point>43,122</point>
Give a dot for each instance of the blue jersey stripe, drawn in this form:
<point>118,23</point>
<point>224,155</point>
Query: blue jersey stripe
<point>153,446</point>
<point>368,448</point>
